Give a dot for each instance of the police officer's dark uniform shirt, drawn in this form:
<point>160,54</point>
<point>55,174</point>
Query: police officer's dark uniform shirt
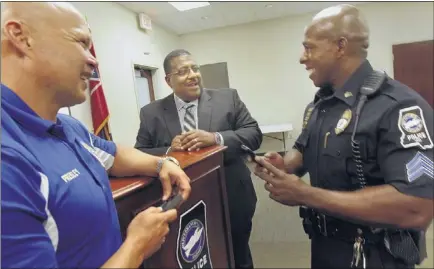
<point>395,133</point>
<point>396,147</point>
<point>57,209</point>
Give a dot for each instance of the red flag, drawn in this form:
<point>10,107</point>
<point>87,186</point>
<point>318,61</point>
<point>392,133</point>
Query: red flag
<point>98,105</point>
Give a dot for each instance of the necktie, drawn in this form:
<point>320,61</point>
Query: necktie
<point>189,122</point>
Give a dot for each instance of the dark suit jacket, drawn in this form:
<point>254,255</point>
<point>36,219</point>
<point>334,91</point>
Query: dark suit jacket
<point>218,111</point>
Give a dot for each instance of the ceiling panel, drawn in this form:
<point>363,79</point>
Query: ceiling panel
<point>221,14</point>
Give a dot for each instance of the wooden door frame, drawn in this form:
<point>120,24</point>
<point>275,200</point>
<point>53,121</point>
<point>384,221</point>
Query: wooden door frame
<point>148,75</point>
<point>148,72</point>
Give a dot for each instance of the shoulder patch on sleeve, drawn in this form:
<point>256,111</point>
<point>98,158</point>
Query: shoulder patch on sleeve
<point>413,129</point>
<point>307,114</point>
<point>418,166</point>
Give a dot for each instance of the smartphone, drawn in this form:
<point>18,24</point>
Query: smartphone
<point>252,154</point>
<point>171,203</point>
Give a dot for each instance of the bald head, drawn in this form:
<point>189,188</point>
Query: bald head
<point>49,44</point>
<point>335,45</point>
<point>36,18</point>
<point>342,22</point>
<point>41,16</point>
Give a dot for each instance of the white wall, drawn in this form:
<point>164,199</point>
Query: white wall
<point>263,57</point>
<point>118,45</point>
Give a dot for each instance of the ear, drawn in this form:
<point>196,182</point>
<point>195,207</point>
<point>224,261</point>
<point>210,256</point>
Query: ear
<point>342,46</point>
<point>167,78</point>
<point>18,35</point>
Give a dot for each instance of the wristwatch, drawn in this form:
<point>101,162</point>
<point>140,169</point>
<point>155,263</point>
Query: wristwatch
<point>162,160</point>
<point>218,139</point>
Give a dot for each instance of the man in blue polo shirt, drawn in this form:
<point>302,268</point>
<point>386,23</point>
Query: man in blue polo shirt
<point>57,208</point>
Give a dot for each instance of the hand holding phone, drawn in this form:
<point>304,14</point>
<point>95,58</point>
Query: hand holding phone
<point>172,202</point>
<point>252,154</point>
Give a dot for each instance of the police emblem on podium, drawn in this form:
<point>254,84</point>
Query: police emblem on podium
<point>192,249</point>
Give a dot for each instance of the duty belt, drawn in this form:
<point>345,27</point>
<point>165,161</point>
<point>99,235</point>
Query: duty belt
<point>315,223</point>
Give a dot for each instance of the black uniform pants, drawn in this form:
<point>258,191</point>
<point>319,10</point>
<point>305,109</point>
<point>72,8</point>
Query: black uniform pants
<point>241,216</point>
<point>242,206</point>
<point>334,253</point>
<point>240,244</point>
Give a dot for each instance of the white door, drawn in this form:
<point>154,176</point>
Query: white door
<point>142,90</point>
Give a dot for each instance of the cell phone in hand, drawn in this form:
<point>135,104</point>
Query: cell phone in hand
<point>172,202</point>
<point>252,154</point>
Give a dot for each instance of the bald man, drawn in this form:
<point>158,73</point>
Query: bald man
<point>367,145</point>
<point>57,208</point>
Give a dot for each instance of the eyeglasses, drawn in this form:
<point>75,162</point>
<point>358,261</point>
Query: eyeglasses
<point>186,71</point>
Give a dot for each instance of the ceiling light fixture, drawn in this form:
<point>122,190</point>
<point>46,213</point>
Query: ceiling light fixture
<point>183,6</point>
<point>204,17</point>
<point>268,5</point>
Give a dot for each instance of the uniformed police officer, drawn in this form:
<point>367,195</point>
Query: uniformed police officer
<point>57,208</point>
<point>367,146</point>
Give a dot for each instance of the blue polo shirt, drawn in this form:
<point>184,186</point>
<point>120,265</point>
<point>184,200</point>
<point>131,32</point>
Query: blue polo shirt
<point>57,208</point>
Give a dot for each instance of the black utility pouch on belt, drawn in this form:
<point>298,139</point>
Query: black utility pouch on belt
<point>408,246</point>
<point>305,214</point>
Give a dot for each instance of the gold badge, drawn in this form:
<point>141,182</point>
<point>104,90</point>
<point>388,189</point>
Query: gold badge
<point>307,116</point>
<point>344,121</point>
<point>348,94</point>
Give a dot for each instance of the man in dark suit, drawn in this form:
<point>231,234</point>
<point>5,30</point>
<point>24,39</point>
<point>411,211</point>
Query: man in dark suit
<point>192,118</point>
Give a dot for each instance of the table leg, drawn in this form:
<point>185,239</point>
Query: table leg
<point>284,143</point>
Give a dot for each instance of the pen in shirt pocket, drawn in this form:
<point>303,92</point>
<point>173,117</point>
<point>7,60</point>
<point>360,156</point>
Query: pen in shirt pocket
<point>325,139</point>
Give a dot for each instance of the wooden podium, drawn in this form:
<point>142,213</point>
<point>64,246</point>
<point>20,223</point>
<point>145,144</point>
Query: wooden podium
<point>190,246</point>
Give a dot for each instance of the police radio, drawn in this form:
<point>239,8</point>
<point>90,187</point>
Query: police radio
<point>405,245</point>
<point>370,87</point>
